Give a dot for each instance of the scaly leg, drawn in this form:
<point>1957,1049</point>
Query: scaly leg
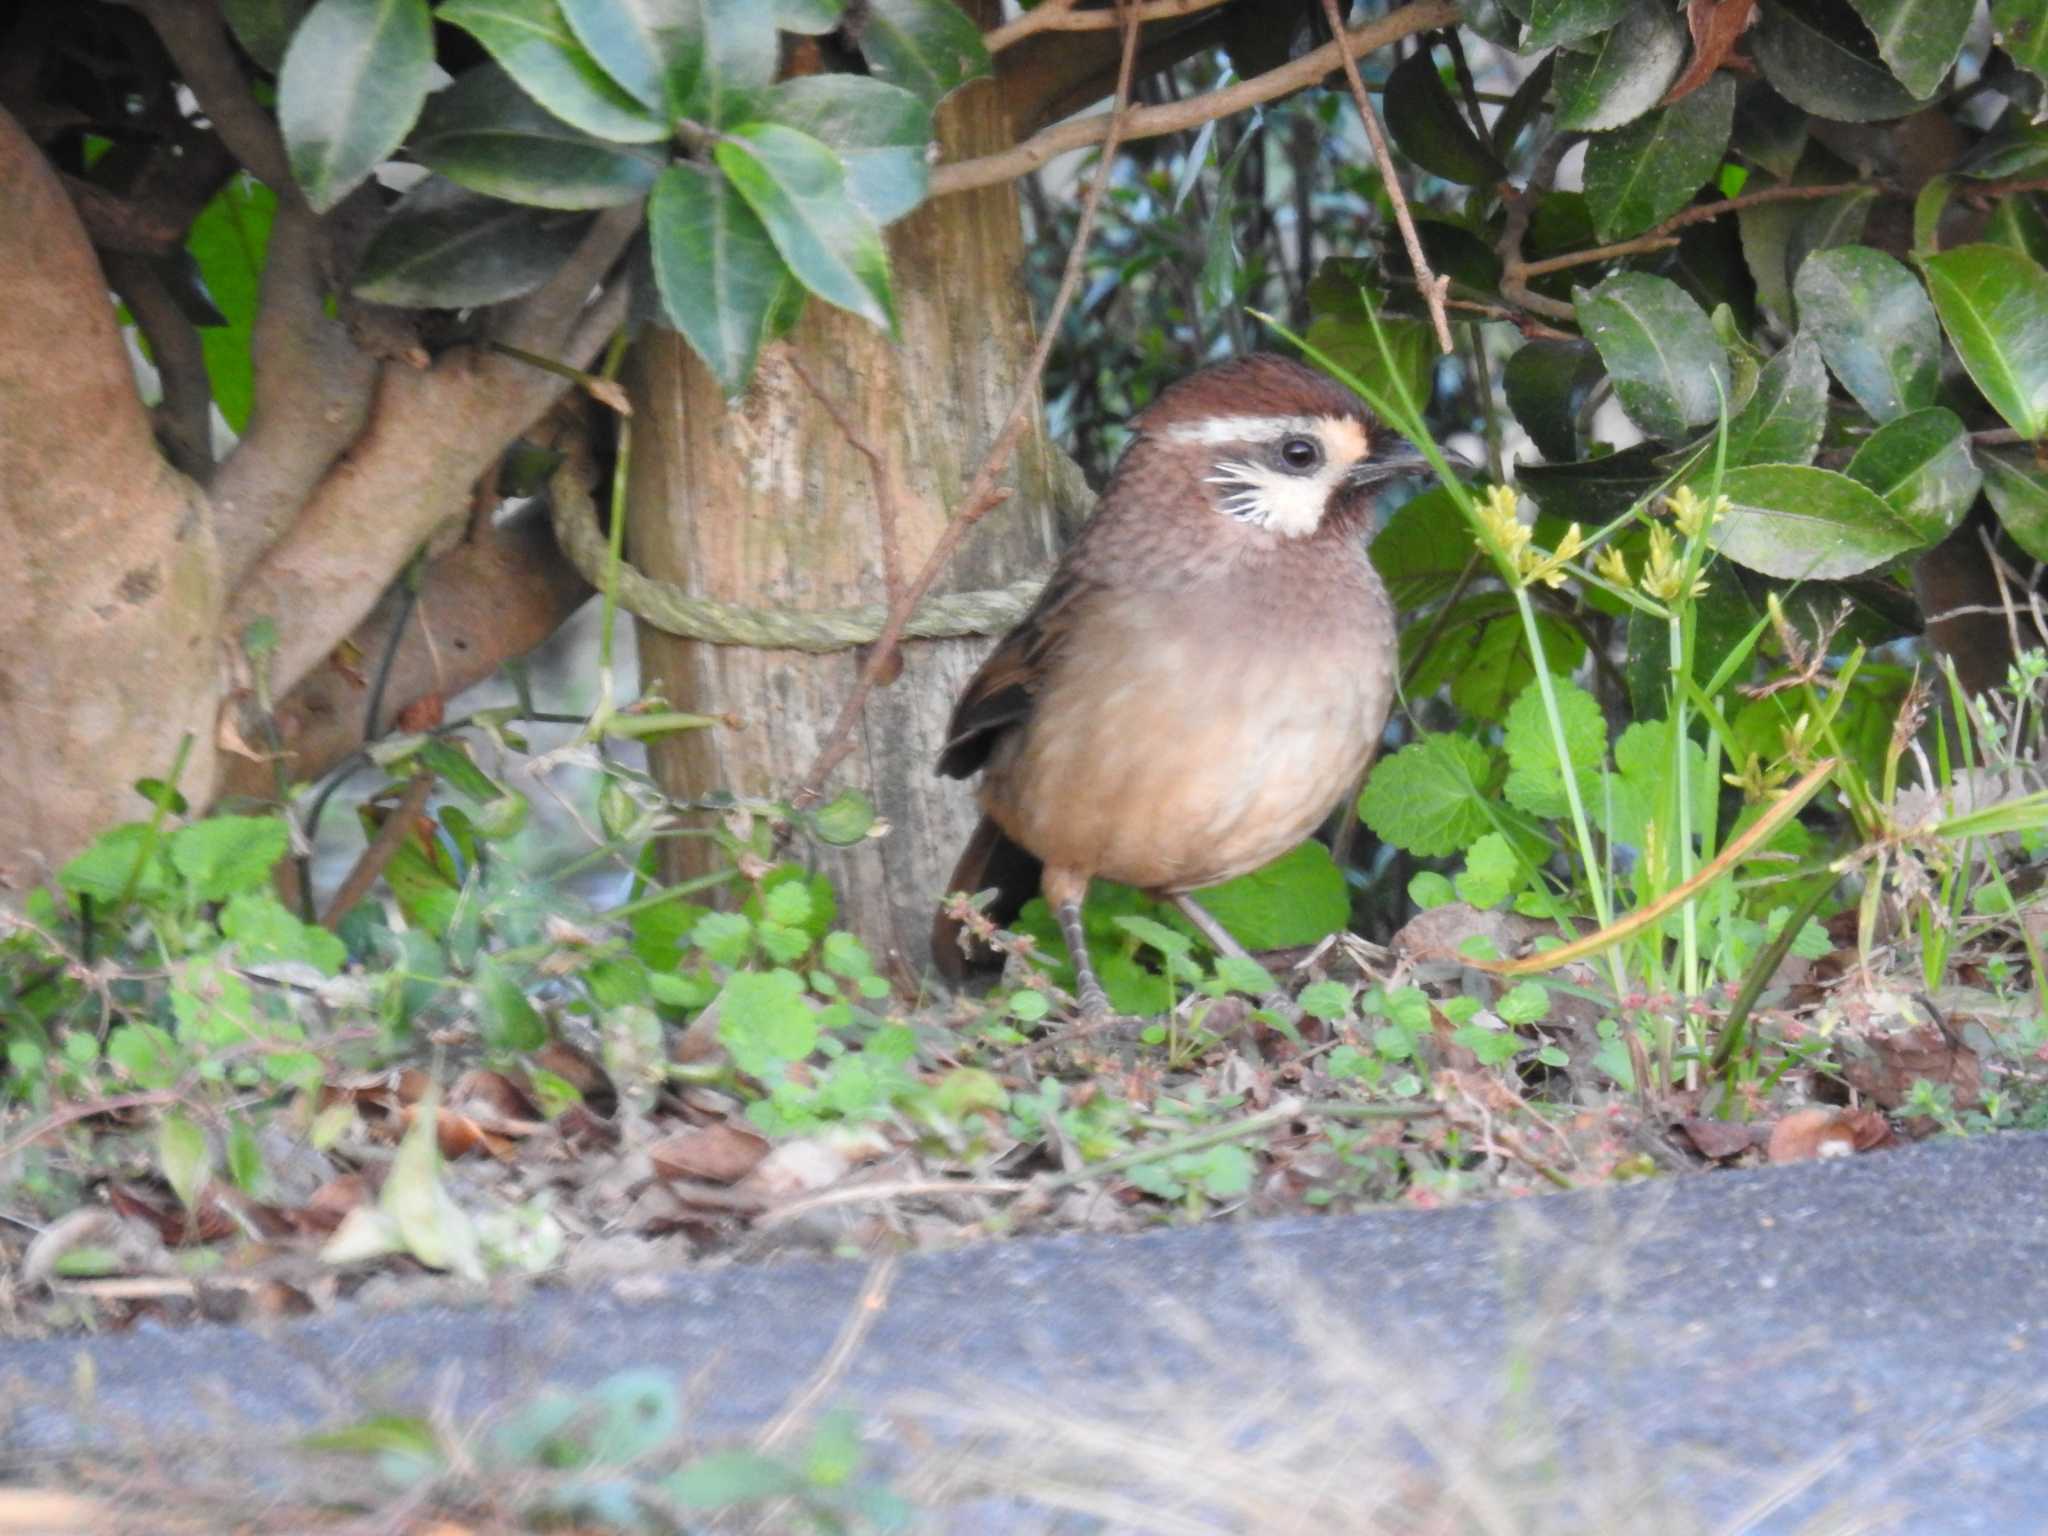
<point>1219,936</point>
<point>1064,891</point>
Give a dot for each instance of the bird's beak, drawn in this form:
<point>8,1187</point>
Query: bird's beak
<point>1400,457</point>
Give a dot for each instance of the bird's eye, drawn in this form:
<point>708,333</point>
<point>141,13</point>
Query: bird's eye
<point>1301,454</point>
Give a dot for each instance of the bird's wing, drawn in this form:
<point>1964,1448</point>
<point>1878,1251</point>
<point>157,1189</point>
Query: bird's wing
<point>1001,695</point>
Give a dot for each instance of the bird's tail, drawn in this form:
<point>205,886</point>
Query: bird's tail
<point>989,860</point>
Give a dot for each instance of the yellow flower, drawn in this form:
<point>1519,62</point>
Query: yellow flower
<point>1503,527</point>
<point>1550,569</point>
<point>1693,514</point>
<point>1664,571</point>
<point>1613,565</point>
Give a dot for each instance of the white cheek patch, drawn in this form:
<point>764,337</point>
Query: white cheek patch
<point>1289,505</point>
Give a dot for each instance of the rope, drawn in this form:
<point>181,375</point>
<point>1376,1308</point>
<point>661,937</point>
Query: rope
<point>670,609</point>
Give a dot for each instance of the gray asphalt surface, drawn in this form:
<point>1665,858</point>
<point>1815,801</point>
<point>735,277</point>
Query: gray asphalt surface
<point>1869,1333</point>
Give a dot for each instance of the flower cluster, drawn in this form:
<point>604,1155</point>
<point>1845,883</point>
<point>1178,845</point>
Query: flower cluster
<point>1510,535</point>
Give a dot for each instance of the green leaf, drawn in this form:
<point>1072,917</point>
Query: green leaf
<point>352,84</point>
<point>1875,328</point>
<point>510,1021</point>
<point>1782,422</point>
<point>724,937</point>
<point>230,240</point>
<point>1921,465</point>
<point>226,854</point>
<point>1594,490</point>
<point>737,65</point>
<point>1640,175</point>
<point>184,1157</point>
<point>1626,75</point>
<point>2017,221</point>
<point>1428,799</point>
<point>446,247</point>
<point>652,49</point>
<point>263,930</point>
<point>764,1020</point>
<point>1546,383</point>
<point>264,27</point>
<point>487,134</point>
<point>929,47</point>
<point>797,187</point>
<point>811,17</point>
<point>533,43</point>
<point>129,852</point>
<point>1823,66</point>
<point>717,270</point>
<point>2021,28</point>
<point>2018,491</point>
<point>845,819</point>
<point>1430,129</point>
<point>1299,898</point>
<point>1535,781</point>
<point>1919,39</point>
<point>1994,305</point>
<point>880,132</point>
<point>1524,1003</point>
<point>1419,564</point>
<point>1482,651</point>
<point>1668,367</point>
<point>1552,22</point>
<point>1799,523</point>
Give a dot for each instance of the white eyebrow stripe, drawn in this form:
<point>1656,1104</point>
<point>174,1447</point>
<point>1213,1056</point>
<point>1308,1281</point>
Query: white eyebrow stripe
<point>1242,429</point>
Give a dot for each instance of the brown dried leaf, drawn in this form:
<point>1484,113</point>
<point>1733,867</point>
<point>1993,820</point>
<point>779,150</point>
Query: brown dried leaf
<point>1718,1140</point>
<point>1883,1066</point>
<point>722,1154</point>
<point>423,714</point>
<point>1806,1134</point>
<point>1715,24</point>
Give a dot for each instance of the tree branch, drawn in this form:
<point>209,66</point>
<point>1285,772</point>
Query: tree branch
<point>1060,16</point>
<point>486,601</point>
<point>313,388</point>
<point>198,44</point>
<point>1173,117</point>
<point>185,419</point>
<point>1429,283</point>
<point>545,319</point>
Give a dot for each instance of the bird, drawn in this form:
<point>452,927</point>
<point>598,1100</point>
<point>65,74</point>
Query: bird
<point>1207,671</point>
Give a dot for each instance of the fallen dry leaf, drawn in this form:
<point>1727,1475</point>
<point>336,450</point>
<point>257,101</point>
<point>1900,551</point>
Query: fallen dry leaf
<point>1715,24</point>
<point>1884,1066</point>
<point>1718,1140</point>
<point>1806,1134</point>
<point>723,1154</point>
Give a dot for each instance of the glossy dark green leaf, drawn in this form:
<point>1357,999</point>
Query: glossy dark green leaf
<point>1546,383</point>
<point>1626,74</point>
<point>1875,328</point>
<point>2017,221</point>
<point>798,189</point>
<point>1482,651</point>
<point>652,49</point>
<point>265,27</point>
<point>2015,146</point>
<point>1668,368</point>
<point>533,43</point>
<point>1552,22</point>
<point>1782,422</point>
<point>1299,898</point>
<point>1994,306</point>
<point>1422,550</point>
<point>352,83</point>
<point>1819,62</point>
<point>230,241</point>
<point>1805,524</point>
<point>1769,131</point>
<point>2021,28</point>
<point>487,134</point>
<point>929,47</point>
<point>1430,128</point>
<point>1921,465</point>
<point>1525,106</point>
<point>2017,488</point>
<point>1917,39</point>
<point>446,247</point>
<point>717,270</point>
<point>1594,490</point>
<point>1822,226</point>
<point>1639,175</point>
<point>738,65</point>
<point>880,132</point>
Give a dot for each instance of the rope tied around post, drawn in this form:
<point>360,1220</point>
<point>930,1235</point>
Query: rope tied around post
<point>668,608</point>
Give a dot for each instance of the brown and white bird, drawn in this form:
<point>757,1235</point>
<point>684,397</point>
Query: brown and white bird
<point>1207,672</point>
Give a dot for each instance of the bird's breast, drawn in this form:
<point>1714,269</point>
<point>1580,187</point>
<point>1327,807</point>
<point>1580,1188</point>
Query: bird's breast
<point>1185,738</point>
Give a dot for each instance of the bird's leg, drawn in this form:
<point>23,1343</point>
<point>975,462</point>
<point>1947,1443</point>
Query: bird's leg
<point>1064,892</point>
<point>1219,936</point>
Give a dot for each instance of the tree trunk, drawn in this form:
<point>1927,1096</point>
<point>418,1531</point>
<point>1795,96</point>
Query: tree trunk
<point>764,501</point>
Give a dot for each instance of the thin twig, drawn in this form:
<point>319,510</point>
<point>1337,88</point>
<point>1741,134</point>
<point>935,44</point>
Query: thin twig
<point>887,500</point>
<point>1060,16</point>
<point>1514,282</point>
<point>197,40</point>
<point>860,1319</point>
<point>1665,235</point>
<point>185,418</point>
<point>1175,116</point>
<point>383,848</point>
<point>983,493</point>
<point>1432,287</point>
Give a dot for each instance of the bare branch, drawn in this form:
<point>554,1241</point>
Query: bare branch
<point>544,320</point>
<point>185,419</point>
<point>157,209</point>
<point>1173,117</point>
<point>398,826</point>
<point>197,41</point>
<point>1060,16</point>
<point>983,493</point>
<point>1431,285</point>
